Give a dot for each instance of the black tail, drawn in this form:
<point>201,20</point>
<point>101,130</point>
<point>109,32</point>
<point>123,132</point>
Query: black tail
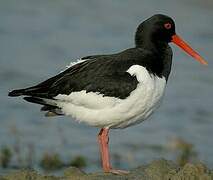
<point>39,90</point>
<point>49,105</point>
<point>38,100</point>
<point>36,91</point>
<point>39,94</point>
<point>31,91</point>
<point>17,92</point>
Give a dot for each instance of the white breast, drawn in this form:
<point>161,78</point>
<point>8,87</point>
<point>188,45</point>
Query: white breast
<point>97,110</point>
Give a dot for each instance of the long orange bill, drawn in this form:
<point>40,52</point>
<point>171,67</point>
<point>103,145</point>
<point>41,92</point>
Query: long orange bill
<point>183,45</point>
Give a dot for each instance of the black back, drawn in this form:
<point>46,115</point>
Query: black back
<point>106,74</point>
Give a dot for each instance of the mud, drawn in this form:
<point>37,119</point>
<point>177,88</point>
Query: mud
<point>156,170</point>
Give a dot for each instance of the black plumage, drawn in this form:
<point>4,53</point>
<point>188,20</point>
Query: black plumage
<point>134,91</point>
<point>102,74</point>
<point>106,74</point>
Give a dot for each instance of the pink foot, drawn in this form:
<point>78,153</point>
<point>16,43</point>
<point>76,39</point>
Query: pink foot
<point>103,138</point>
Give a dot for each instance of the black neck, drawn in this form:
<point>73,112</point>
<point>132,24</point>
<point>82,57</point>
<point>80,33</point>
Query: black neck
<point>161,65</point>
<point>150,43</point>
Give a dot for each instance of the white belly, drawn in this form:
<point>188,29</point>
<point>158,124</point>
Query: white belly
<point>96,110</point>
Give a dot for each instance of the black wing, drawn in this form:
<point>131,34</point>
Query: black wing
<point>102,74</point>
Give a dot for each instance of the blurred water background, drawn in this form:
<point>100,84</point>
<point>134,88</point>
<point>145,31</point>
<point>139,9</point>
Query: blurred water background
<point>39,38</point>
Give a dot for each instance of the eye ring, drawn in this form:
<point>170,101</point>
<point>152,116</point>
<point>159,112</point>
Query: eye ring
<point>168,25</point>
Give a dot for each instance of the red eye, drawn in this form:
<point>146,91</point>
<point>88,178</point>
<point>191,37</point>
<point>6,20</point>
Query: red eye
<point>167,25</point>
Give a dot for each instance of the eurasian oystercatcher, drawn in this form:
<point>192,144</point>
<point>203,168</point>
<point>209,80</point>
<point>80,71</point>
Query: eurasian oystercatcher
<point>116,90</point>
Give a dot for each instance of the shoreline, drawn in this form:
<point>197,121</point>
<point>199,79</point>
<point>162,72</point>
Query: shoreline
<point>156,170</point>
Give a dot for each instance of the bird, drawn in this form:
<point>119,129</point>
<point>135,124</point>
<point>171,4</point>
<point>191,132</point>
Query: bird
<point>113,91</point>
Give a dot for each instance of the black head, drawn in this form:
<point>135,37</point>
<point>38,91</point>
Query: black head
<point>156,32</point>
<point>157,29</point>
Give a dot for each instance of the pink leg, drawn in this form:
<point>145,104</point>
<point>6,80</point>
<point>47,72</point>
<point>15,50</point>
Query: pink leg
<point>103,138</point>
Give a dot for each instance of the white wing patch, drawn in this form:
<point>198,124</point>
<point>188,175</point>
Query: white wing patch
<point>74,63</point>
<point>140,72</point>
<point>102,111</point>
